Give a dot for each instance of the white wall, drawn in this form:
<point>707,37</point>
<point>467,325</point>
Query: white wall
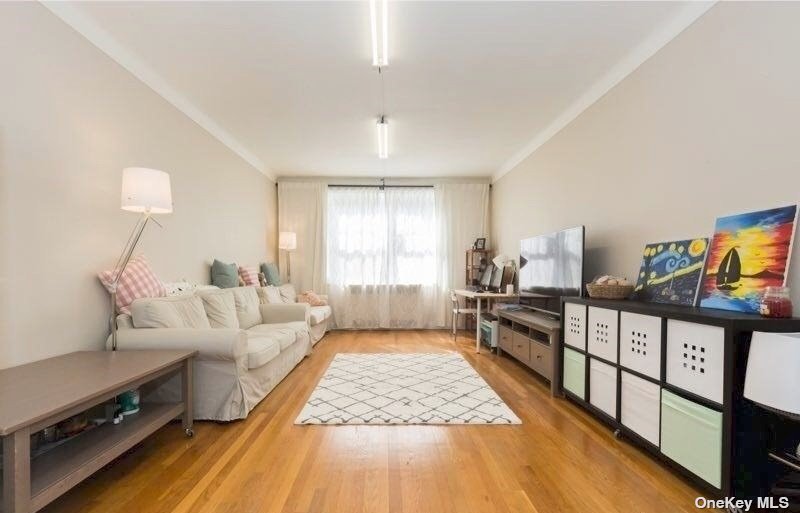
<point>706,127</point>
<point>70,120</point>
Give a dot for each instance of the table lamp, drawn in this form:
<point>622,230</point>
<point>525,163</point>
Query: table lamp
<point>146,191</point>
<point>287,241</point>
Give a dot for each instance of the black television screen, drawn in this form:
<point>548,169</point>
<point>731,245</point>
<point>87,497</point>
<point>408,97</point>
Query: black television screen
<point>551,266</point>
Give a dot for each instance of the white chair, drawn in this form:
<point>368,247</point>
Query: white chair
<point>457,310</point>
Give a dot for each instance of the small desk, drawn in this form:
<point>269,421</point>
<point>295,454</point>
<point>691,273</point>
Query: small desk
<point>477,296</point>
<point>42,393</point>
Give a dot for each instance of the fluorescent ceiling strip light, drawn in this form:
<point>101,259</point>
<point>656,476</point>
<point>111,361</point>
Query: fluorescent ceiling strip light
<point>383,138</point>
<point>380,53</point>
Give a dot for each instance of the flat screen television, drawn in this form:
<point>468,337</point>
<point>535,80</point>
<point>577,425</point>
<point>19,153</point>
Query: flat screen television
<point>551,267</point>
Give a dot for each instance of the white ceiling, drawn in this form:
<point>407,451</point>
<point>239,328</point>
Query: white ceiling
<point>471,88</point>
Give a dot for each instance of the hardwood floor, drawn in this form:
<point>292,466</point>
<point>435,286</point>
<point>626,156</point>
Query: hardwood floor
<point>559,459</point>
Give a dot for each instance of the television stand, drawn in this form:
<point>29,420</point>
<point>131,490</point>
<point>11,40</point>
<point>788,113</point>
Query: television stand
<point>534,339</point>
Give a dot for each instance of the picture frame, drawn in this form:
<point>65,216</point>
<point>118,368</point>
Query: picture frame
<point>480,243</point>
<point>748,253</point>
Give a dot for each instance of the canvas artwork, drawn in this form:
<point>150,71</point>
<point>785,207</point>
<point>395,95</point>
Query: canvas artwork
<point>749,252</point>
<point>671,271</point>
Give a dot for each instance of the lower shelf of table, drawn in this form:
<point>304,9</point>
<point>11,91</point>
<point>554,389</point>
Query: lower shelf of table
<point>58,470</point>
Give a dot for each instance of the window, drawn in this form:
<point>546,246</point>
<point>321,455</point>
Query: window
<point>381,237</point>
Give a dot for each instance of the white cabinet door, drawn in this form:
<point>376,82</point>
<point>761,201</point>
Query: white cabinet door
<point>575,325</point>
<point>696,358</point>
<point>640,343</point>
<point>602,333</point>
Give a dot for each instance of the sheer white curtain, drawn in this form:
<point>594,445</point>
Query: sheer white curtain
<point>383,257</point>
<point>462,215</point>
<point>301,209</point>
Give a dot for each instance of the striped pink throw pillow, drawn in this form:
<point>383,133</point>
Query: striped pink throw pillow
<point>249,273</point>
<point>137,281</point>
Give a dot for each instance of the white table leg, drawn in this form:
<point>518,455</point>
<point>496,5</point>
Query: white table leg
<point>478,326</point>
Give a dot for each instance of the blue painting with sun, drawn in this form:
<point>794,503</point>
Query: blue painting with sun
<point>671,271</point>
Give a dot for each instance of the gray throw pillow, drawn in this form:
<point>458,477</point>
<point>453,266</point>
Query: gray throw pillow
<point>224,275</point>
<point>270,270</point>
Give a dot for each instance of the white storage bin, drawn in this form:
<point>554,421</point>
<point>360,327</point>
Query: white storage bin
<point>602,333</point>
<point>575,325</point>
<point>640,343</point>
<point>696,358</point>
<point>603,387</point>
<point>640,407</point>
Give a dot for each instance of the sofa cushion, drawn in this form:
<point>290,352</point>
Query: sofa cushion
<point>220,307</point>
<point>270,295</point>
<point>224,276</point>
<point>247,310</point>
<point>137,281</point>
<point>270,270</point>
<point>312,298</point>
<point>169,312</point>
<point>288,293</point>
<point>261,350</point>
<point>249,273</point>
<point>319,314</point>
<point>285,334</point>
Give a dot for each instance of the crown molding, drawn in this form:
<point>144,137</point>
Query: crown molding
<point>106,43</point>
<point>641,53</point>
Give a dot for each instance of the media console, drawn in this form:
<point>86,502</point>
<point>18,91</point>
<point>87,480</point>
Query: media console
<point>670,379</point>
<point>533,338</point>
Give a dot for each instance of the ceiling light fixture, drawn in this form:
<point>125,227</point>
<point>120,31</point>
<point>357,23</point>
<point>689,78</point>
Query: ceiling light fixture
<point>380,52</point>
<point>383,138</point>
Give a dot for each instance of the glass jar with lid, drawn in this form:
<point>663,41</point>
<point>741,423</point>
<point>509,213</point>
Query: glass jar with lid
<point>776,302</point>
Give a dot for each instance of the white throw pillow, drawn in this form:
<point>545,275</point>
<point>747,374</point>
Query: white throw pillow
<point>270,294</point>
<point>220,307</point>
<point>247,306</point>
<point>169,312</point>
<point>288,293</point>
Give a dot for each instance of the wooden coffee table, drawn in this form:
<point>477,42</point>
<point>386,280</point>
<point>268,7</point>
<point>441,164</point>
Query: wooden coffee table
<point>43,393</point>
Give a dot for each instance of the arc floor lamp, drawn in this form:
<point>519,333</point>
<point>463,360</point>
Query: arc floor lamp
<point>287,241</point>
<point>146,191</point>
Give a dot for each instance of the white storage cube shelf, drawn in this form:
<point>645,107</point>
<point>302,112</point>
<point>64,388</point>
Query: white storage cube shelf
<point>602,333</point>
<point>575,325</point>
<point>696,358</point>
<point>640,407</point>
<point>603,387</point>
<point>640,344</point>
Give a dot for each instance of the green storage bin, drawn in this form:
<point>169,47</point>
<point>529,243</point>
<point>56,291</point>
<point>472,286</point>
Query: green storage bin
<point>575,372</point>
<point>691,435</point>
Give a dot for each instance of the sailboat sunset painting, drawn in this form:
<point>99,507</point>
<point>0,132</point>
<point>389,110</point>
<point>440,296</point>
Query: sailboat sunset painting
<point>749,252</point>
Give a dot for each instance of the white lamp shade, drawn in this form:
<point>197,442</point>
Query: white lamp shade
<point>146,190</point>
<point>772,377</point>
<point>287,241</point>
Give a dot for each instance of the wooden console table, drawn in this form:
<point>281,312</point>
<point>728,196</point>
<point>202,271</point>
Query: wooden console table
<point>534,339</point>
<point>40,394</point>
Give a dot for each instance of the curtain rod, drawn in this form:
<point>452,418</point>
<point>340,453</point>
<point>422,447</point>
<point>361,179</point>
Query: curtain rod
<point>385,186</point>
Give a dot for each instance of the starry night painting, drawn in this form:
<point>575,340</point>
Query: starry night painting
<point>749,252</point>
<point>671,271</point>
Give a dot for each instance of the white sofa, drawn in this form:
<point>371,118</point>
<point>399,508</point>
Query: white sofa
<point>319,317</point>
<point>245,348</point>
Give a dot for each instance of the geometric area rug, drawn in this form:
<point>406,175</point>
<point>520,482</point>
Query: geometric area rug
<point>404,388</point>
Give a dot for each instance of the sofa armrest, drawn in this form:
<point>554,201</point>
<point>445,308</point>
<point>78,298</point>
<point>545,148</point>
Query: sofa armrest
<point>212,344</point>
<point>277,313</point>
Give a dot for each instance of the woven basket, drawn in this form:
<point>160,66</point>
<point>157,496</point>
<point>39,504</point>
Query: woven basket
<point>603,291</point>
